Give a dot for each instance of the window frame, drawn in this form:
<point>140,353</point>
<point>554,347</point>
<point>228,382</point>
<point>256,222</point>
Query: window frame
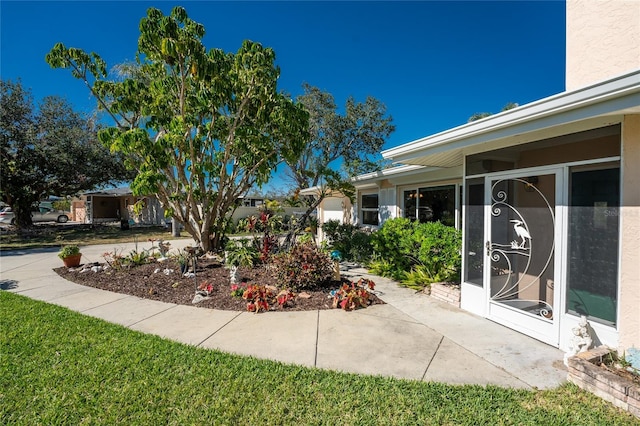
<point>416,190</point>
<point>364,209</point>
<point>571,171</point>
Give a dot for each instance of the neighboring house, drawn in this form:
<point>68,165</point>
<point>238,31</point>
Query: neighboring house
<point>335,206</point>
<point>547,195</point>
<point>117,204</point>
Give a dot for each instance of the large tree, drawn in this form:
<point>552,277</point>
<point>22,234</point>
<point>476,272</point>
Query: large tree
<point>199,127</point>
<point>342,145</point>
<point>48,150</point>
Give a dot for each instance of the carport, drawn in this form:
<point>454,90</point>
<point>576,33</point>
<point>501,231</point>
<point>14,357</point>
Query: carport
<point>113,205</point>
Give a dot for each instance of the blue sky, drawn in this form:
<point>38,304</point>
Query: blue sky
<point>433,64</point>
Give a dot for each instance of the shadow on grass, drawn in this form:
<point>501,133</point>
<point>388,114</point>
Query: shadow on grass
<point>54,236</point>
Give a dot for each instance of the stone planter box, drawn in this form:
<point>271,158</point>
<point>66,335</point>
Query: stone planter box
<point>586,374</point>
<point>446,292</point>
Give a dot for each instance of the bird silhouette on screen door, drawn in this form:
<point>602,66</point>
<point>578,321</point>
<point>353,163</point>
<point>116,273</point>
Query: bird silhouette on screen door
<point>521,232</point>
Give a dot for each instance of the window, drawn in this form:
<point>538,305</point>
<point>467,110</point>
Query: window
<point>593,244</point>
<point>369,209</point>
<point>410,204</point>
<point>431,204</point>
<point>474,232</point>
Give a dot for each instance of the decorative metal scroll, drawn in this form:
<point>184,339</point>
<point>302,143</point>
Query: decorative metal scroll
<point>521,246</point>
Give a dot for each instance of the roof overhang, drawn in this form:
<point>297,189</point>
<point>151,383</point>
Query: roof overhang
<point>591,107</point>
<point>320,189</point>
<point>114,192</point>
<point>374,179</point>
<point>405,174</point>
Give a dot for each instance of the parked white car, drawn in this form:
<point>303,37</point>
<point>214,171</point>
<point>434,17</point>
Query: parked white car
<point>42,213</point>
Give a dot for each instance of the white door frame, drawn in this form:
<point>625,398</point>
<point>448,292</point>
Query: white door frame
<point>546,330</point>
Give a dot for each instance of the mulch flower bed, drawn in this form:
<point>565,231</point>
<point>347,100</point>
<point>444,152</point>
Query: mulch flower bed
<point>164,282</point>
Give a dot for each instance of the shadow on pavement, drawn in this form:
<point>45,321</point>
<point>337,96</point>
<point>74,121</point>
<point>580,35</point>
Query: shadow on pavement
<point>29,251</point>
<point>8,284</point>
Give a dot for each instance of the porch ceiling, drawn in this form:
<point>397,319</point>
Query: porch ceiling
<point>447,159</point>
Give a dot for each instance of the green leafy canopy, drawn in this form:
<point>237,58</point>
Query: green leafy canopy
<point>48,149</point>
<point>200,127</point>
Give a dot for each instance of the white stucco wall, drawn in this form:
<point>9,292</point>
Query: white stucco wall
<point>387,204</point>
<point>603,40</point>
<point>333,208</point>
<point>629,300</point>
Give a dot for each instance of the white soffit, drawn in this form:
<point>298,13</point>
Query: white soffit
<point>591,107</point>
<point>430,175</point>
<point>372,180</point>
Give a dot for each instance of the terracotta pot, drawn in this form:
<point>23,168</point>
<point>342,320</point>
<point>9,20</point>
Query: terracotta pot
<point>72,261</point>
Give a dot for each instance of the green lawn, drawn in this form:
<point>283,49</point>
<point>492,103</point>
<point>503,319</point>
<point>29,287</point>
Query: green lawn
<point>60,367</point>
<point>54,236</point>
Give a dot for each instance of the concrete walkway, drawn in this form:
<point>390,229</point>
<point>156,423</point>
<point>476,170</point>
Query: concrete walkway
<point>412,336</point>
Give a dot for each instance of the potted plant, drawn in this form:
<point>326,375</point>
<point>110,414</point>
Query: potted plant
<point>70,256</point>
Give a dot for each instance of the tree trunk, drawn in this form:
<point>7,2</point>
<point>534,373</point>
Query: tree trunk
<point>290,239</point>
<point>175,231</point>
<point>22,213</point>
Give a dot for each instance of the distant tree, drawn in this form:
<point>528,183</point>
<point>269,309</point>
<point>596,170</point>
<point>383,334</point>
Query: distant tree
<point>480,115</point>
<point>510,105</point>
<point>199,127</point>
<point>353,137</point>
<point>48,150</point>
<point>277,194</point>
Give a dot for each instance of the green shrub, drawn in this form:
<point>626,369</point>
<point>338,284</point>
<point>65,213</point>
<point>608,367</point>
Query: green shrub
<point>303,267</point>
<point>417,278</point>
<point>440,251</point>
<point>353,243</point>
<point>417,253</point>
<point>241,253</point>
<point>64,205</point>
<point>67,251</point>
<point>385,268</point>
<point>242,225</point>
<point>137,258</point>
<point>306,238</point>
<point>393,241</point>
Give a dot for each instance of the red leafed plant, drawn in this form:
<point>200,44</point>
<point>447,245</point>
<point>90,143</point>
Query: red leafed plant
<point>237,290</point>
<point>284,297</point>
<point>260,297</point>
<point>206,287</point>
<point>303,267</point>
<point>354,295</point>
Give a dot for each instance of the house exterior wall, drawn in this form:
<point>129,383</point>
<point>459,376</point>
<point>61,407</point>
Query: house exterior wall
<point>390,195</point>
<point>105,208</point>
<point>78,211</point>
<point>333,208</point>
<point>629,300</point>
<point>243,212</point>
<point>387,202</point>
<point>152,213</point>
<point>602,40</point>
